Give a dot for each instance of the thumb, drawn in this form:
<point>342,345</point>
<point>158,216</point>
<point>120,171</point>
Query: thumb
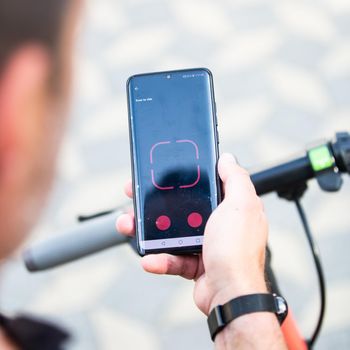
<point>236,180</point>
<point>226,166</point>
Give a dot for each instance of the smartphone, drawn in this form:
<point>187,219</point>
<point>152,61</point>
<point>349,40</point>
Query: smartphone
<point>174,153</point>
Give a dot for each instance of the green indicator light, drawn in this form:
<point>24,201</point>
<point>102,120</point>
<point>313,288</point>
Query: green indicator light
<point>321,158</point>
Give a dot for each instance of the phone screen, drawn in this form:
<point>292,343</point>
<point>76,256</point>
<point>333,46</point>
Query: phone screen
<point>174,153</point>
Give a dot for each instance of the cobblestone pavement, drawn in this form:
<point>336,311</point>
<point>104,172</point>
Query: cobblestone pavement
<point>282,78</point>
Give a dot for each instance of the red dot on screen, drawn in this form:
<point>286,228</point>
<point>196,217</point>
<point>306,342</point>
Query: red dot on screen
<point>194,220</point>
<point>163,222</point>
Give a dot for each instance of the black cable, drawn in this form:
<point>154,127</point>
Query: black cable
<point>320,275</point>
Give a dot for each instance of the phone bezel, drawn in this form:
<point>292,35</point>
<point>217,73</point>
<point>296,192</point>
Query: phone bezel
<point>172,250</point>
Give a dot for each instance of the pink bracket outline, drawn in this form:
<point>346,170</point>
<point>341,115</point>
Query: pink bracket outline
<point>197,180</point>
<point>153,147</point>
<point>172,187</point>
<point>157,186</point>
<point>194,145</point>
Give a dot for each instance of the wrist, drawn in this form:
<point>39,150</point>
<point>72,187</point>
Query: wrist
<point>260,309</point>
<point>261,329</point>
<point>234,290</point>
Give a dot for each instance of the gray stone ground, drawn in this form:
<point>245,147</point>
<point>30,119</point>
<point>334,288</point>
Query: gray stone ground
<point>282,77</point>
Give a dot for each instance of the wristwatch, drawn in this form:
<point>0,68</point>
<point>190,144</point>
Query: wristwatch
<point>221,315</point>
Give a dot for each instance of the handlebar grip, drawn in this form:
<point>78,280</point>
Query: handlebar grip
<point>82,240</point>
<point>283,175</point>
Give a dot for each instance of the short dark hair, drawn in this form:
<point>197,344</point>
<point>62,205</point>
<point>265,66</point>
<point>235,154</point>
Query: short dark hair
<point>25,21</point>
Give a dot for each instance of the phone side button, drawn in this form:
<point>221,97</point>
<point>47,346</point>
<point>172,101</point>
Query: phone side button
<point>217,134</point>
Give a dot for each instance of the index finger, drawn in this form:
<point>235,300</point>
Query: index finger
<point>128,188</point>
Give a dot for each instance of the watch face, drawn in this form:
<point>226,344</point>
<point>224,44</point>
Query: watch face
<point>282,308</point>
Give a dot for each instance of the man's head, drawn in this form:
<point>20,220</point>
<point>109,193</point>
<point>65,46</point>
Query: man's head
<point>35,54</point>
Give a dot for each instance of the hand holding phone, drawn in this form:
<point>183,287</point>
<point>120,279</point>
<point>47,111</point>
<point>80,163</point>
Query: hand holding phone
<point>233,257</point>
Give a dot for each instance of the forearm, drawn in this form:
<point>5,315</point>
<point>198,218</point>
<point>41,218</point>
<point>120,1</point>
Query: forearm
<point>254,331</point>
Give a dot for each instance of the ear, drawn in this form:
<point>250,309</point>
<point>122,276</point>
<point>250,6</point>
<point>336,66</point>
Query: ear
<point>23,100</point>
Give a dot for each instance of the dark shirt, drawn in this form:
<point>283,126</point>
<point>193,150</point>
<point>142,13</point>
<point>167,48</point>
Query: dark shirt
<point>29,333</point>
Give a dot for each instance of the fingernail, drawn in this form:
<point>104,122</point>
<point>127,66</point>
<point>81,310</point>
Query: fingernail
<point>229,157</point>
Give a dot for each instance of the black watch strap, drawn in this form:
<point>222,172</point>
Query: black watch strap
<point>221,315</point>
